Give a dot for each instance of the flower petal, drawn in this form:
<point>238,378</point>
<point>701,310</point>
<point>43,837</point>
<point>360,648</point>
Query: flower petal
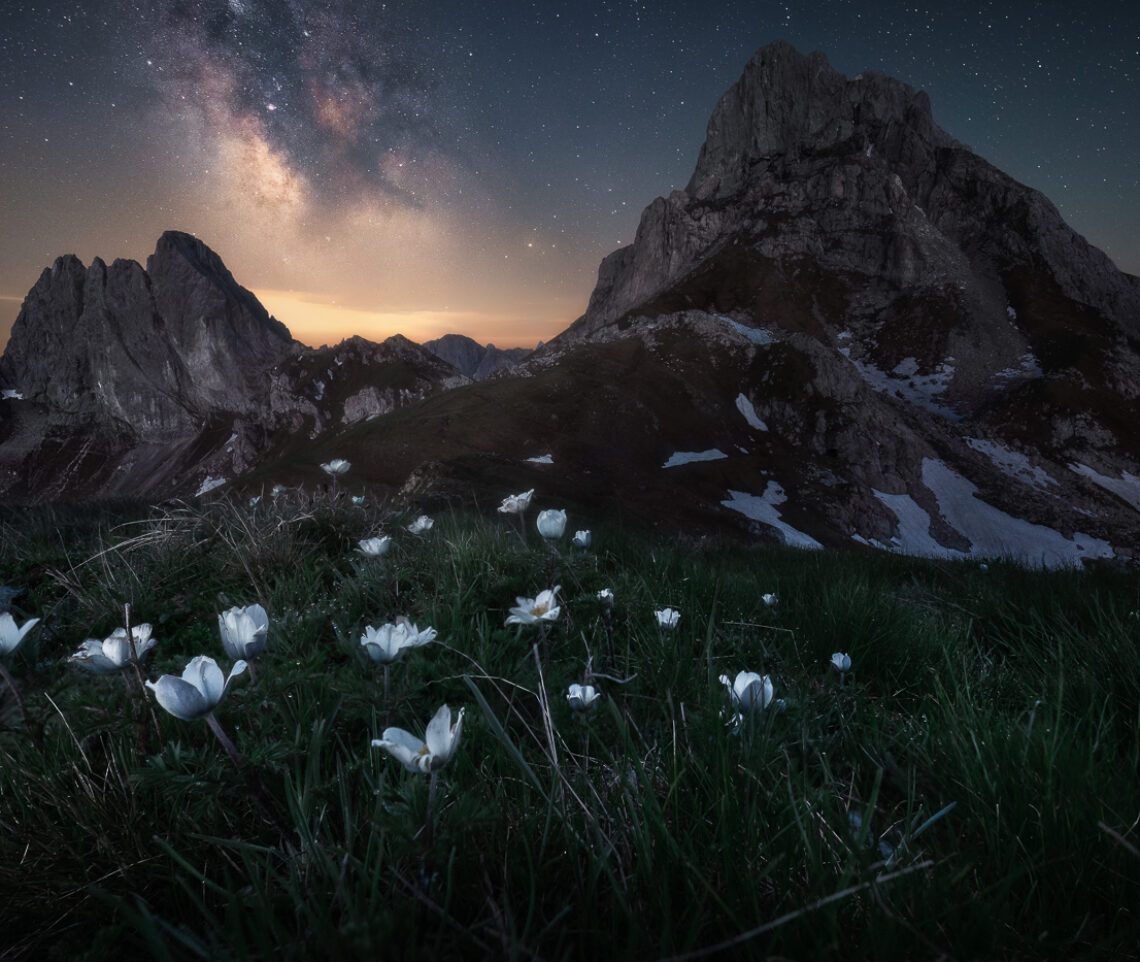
<point>179,697</point>
<point>438,734</point>
<point>205,675</point>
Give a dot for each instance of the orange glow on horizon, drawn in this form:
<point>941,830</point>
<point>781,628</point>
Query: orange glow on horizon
<point>314,319</point>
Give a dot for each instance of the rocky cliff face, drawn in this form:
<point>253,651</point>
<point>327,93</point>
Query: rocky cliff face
<point>155,351</point>
<point>925,341</point>
<point>131,382</point>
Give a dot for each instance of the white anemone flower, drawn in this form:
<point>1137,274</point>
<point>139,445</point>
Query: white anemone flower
<point>516,503</point>
<point>336,467</point>
<point>198,691</point>
<point>750,692</point>
<point>606,596</point>
<point>551,523</point>
<point>244,631</point>
<point>386,644</point>
<point>770,600</point>
<point>114,652</point>
<point>421,524</point>
<point>581,539</point>
<point>668,618</point>
<point>12,637</point>
<point>529,611</point>
<point>582,697</point>
<point>375,547</point>
<point>432,752</point>
<point>842,661</point>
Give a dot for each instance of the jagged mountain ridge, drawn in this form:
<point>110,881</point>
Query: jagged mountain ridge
<point>147,382</point>
<point>476,361</point>
<point>939,313</point>
<point>797,348</point>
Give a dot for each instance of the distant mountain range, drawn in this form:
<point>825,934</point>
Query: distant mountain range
<point>847,330</point>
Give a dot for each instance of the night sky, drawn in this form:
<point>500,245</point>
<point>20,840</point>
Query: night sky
<point>425,166</point>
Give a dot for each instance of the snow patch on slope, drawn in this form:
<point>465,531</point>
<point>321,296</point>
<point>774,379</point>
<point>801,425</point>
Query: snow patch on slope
<point>757,335</point>
<point>904,381</point>
<point>1011,463</point>
<point>991,531</point>
<point>1126,487</point>
<point>688,457</point>
<point>762,508</point>
<point>208,485</point>
<point>744,406</point>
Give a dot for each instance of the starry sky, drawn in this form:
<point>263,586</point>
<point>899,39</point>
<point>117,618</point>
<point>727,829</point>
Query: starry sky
<point>425,166</point>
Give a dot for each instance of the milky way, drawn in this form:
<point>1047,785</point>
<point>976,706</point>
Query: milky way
<point>421,166</point>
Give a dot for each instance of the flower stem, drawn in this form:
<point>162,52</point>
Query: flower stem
<point>11,683</point>
<point>429,826</point>
<point>216,728</point>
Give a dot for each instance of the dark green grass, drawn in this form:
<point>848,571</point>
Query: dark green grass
<point>970,790</point>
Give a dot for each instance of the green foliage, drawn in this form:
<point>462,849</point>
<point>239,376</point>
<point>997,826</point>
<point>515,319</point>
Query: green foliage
<point>967,790</point>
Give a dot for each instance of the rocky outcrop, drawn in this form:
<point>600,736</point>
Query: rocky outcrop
<point>921,313</point>
<point>120,381</point>
<point>153,352</point>
<point>476,361</point>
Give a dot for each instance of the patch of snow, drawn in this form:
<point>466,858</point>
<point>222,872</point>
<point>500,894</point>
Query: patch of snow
<point>544,459</point>
<point>11,395</point>
<point>914,535</point>
<point>993,533</point>
<point>208,485</point>
<point>869,542</point>
<point>1011,463</point>
<point>744,406</point>
<point>756,335</point>
<point>1126,487</point>
<point>1027,369</point>
<point>1011,312</point>
<point>763,507</point>
<point>320,386</point>
<point>905,382</point>
<point>688,457</point>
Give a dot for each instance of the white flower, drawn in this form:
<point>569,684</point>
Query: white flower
<point>770,600</point>
<point>421,524</point>
<point>606,596</point>
<point>244,631</point>
<point>278,490</point>
<point>440,742</point>
<point>581,539</point>
<point>358,499</point>
<point>667,617</point>
<point>253,501</point>
<point>113,652</point>
<point>841,660</point>
<point>12,637</point>
<point>750,691</point>
<point>516,503</point>
<point>386,644</point>
<point>532,610</point>
<point>582,697</point>
<point>336,467</point>
<point>551,523</point>
<point>198,692</point>
<point>375,547</point>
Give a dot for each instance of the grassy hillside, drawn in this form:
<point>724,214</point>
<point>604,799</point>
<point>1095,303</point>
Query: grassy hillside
<point>967,790</point>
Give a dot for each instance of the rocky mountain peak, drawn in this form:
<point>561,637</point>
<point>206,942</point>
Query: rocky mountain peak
<point>790,106</point>
<point>475,360</point>
<point>153,351</point>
